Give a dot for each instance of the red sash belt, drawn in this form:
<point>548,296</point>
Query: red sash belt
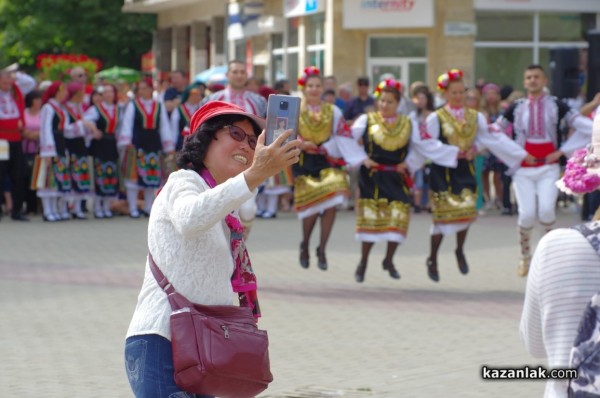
<point>9,129</point>
<point>393,168</point>
<point>539,152</point>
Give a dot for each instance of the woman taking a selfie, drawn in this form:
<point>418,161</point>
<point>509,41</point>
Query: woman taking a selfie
<point>191,233</point>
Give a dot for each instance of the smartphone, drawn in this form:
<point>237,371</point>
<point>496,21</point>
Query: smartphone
<point>283,112</point>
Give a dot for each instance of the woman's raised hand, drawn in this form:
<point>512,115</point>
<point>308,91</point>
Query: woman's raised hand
<point>270,160</point>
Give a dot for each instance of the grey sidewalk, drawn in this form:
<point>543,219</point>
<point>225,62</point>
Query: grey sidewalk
<point>67,292</point>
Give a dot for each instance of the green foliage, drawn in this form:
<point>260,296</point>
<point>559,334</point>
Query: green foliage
<point>97,28</point>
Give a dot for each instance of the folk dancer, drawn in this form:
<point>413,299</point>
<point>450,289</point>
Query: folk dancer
<point>76,145</point>
<point>454,192</point>
<point>536,122</point>
<point>319,183</point>
<point>386,148</point>
<point>145,138</point>
<point>52,175</point>
<point>106,115</point>
<point>12,123</point>
<point>236,93</point>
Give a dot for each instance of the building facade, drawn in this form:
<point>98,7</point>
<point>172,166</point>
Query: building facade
<point>412,39</point>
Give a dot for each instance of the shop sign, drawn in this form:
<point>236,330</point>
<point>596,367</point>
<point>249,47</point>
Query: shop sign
<point>592,6</point>
<point>297,8</point>
<point>373,14</point>
<point>460,29</point>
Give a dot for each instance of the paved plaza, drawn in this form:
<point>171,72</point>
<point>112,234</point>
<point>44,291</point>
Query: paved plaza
<point>68,290</point>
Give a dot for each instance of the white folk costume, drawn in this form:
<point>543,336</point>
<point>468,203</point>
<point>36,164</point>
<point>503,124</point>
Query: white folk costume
<point>383,210</point>
<point>454,190</point>
<point>79,167</point>
<point>106,158</point>
<point>247,100</point>
<point>180,123</point>
<point>319,181</point>
<point>52,176</point>
<point>12,121</point>
<point>537,129</point>
<point>146,137</point>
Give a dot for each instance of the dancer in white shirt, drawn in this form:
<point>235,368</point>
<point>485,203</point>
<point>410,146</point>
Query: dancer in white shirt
<point>536,124</point>
<point>145,138</point>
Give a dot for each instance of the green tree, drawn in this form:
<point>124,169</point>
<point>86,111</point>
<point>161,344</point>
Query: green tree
<point>97,28</point>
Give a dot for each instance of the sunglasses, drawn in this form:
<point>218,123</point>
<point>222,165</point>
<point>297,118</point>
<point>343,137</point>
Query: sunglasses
<point>240,135</point>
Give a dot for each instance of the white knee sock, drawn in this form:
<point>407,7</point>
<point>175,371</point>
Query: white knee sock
<point>98,205</point>
<point>63,208</point>
<point>132,195</point>
<point>106,206</point>
<point>47,206</point>
<point>149,194</point>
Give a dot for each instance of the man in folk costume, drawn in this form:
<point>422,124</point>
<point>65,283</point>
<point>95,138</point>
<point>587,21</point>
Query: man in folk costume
<point>145,137</point>
<point>12,123</point>
<point>237,94</point>
<point>106,115</point>
<point>77,149</point>
<point>536,124</point>
<point>180,118</point>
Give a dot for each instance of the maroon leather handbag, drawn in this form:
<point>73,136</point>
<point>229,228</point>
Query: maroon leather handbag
<point>217,349</point>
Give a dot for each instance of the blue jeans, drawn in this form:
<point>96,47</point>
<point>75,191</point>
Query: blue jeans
<point>149,366</point>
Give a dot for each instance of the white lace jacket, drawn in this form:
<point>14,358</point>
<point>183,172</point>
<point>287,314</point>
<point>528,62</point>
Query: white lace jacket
<point>189,241</point>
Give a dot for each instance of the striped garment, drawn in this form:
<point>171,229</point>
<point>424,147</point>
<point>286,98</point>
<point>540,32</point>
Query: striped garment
<point>564,275</point>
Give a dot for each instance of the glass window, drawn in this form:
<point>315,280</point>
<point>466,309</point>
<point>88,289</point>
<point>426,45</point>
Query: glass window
<point>317,58</point>
<point>417,72</point>
<point>504,26</point>
<point>240,50</point>
<point>315,29</point>
<point>378,70</point>
<point>277,40</point>
<point>277,68</point>
<point>293,24</point>
<point>563,27</point>
<point>491,64</point>
<point>394,47</point>
<point>293,70</point>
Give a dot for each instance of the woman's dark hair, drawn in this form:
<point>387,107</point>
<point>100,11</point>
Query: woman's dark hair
<point>430,106</point>
<point>31,96</point>
<point>392,90</point>
<point>191,156</point>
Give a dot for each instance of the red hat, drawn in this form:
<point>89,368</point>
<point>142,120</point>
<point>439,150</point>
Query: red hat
<point>217,108</point>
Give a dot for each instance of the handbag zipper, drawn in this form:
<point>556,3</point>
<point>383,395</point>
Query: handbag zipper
<point>225,331</point>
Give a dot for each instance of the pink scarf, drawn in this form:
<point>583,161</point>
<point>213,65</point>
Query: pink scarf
<point>243,280</point>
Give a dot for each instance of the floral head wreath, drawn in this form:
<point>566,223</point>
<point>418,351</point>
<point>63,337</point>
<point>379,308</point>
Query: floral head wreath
<point>308,72</point>
<point>387,83</point>
<point>445,78</point>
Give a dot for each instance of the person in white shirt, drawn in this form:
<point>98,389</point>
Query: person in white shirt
<point>107,118</point>
<point>536,122</point>
<point>236,92</point>
<point>564,275</point>
<point>145,138</point>
<point>191,228</point>
<point>12,107</point>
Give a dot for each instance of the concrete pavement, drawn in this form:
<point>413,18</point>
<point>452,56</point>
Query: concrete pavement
<point>67,292</point>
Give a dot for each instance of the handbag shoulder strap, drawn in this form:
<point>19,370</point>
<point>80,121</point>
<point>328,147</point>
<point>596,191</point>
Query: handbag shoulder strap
<point>176,299</point>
